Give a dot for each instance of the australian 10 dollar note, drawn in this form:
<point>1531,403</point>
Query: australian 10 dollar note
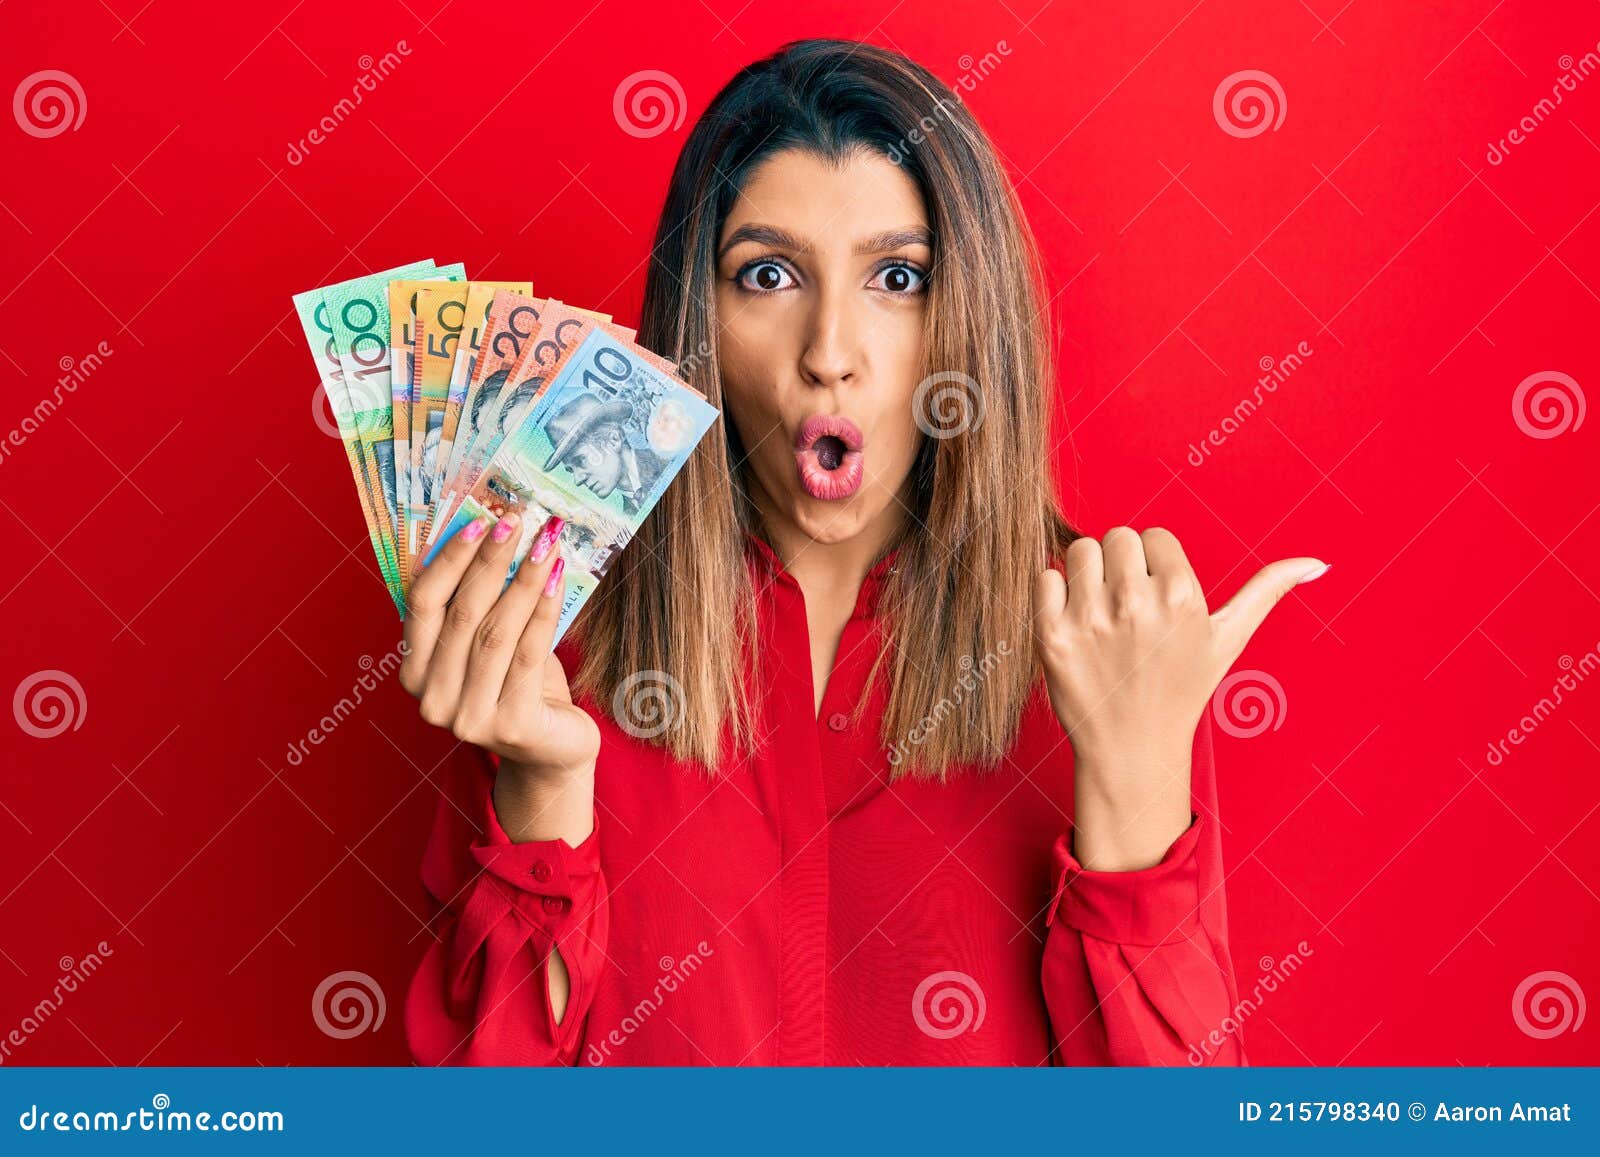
<point>605,439</point>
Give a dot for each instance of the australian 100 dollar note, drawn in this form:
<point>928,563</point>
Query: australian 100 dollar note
<point>600,447</point>
<point>358,311</point>
<point>316,319</point>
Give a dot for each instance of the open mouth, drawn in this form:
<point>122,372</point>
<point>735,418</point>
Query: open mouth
<point>830,451</point>
<point>829,456</point>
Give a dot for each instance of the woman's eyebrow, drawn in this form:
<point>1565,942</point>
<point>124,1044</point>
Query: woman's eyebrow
<point>777,238</point>
<point>891,239</point>
<point>769,235</point>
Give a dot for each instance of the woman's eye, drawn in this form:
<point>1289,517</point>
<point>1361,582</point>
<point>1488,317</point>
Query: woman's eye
<point>904,279</point>
<point>765,277</point>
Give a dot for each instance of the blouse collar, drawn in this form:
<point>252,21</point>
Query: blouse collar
<point>767,558</point>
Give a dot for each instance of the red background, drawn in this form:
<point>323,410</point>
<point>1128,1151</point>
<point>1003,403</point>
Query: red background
<point>181,539</point>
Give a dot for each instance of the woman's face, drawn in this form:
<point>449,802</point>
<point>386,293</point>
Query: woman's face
<point>821,303</point>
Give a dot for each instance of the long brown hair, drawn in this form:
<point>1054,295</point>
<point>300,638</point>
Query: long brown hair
<point>678,609</point>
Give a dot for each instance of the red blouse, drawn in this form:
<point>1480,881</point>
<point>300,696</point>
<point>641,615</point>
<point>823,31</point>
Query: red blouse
<point>800,909</point>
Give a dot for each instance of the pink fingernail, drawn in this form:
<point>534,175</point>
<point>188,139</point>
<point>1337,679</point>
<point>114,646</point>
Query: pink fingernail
<point>473,531</point>
<point>1315,574</point>
<point>547,538</point>
<point>504,528</point>
<point>554,580</point>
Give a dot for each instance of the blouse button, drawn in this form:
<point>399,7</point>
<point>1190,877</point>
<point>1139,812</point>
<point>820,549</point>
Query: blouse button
<point>838,721</point>
<point>554,904</point>
<point>541,870</point>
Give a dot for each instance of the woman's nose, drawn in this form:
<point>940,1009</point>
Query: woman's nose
<point>833,347</point>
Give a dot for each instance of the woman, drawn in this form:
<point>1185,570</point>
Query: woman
<point>867,756</point>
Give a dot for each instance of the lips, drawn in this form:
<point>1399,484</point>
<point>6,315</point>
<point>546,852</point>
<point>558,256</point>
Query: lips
<point>828,452</point>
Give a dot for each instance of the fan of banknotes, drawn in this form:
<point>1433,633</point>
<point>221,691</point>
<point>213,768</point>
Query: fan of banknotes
<point>458,398</point>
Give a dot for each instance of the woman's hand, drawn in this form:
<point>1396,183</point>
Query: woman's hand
<point>1131,656</point>
<point>480,661</point>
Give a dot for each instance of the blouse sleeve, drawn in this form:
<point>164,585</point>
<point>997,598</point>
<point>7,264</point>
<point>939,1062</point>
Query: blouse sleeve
<point>1136,965</point>
<point>481,994</point>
